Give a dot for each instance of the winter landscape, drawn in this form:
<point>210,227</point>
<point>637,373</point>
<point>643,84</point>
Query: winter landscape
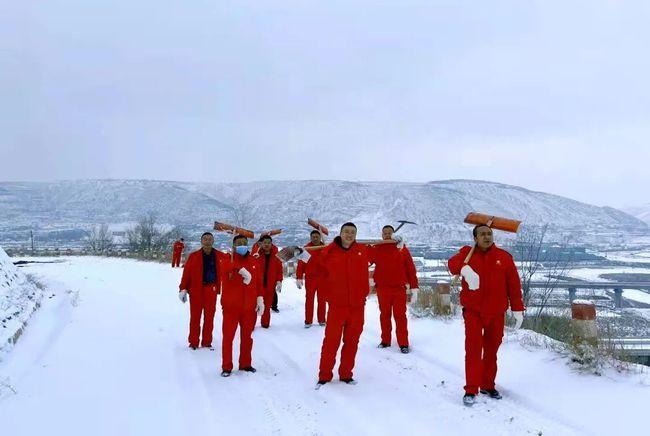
<point>295,217</point>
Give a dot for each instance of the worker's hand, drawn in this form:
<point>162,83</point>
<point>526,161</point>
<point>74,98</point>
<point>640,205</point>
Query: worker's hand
<point>278,287</point>
<point>299,283</point>
<point>470,277</point>
<point>414,295</point>
<point>246,275</point>
<point>302,254</point>
<point>259,306</point>
<point>400,240</point>
<point>519,319</point>
<point>182,295</point>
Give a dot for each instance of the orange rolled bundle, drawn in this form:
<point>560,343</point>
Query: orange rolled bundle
<point>318,226</point>
<point>272,232</point>
<point>495,222</point>
<point>223,227</point>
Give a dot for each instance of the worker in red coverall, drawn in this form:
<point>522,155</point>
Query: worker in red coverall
<point>394,276</point>
<point>242,300</point>
<point>177,252</point>
<point>490,283</point>
<point>346,280</point>
<point>311,276</point>
<point>270,268</point>
<point>200,281</point>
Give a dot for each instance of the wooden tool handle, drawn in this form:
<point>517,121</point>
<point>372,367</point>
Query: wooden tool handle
<point>455,279</point>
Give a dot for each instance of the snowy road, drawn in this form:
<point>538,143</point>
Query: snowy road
<point>115,361</point>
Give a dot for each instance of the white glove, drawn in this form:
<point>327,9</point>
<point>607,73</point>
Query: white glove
<point>299,283</point>
<point>259,307</point>
<point>519,319</point>
<point>302,255</point>
<point>399,239</point>
<point>245,275</point>
<point>414,295</point>
<point>182,295</point>
<point>278,287</point>
<point>470,277</point>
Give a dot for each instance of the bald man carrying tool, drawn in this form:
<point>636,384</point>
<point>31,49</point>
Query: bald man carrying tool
<point>490,284</point>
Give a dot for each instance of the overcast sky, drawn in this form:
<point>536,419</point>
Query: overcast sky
<point>549,95</point>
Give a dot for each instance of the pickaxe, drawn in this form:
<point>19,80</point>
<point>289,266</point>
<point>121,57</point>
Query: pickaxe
<point>401,224</point>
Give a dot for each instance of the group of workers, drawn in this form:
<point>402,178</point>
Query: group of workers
<point>335,278</point>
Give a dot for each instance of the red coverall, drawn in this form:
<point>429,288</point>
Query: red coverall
<point>313,273</point>
<point>484,311</point>
<point>394,268</point>
<point>203,299</point>
<point>273,274</point>
<point>346,281</point>
<point>238,302</point>
<point>177,252</point>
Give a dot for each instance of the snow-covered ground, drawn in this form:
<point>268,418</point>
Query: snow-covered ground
<point>115,361</point>
<point>19,298</point>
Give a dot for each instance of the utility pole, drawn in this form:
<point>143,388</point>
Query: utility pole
<point>31,235</point>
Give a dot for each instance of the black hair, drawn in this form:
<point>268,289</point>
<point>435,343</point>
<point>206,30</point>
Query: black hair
<point>184,239</point>
<point>388,226</point>
<point>475,229</point>
<point>265,237</point>
<point>205,234</point>
<point>239,237</point>
<point>314,231</point>
<point>348,224</point>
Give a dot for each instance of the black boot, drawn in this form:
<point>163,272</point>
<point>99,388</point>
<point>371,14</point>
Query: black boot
<point>492,393</point>
<point>225,373</point>
<point>405,350</point>
<point>383,345</point>
<point>248,369</point>
<point>469,399</point>
<point>349,381</point>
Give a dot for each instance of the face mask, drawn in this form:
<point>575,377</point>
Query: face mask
<point>241,250</point>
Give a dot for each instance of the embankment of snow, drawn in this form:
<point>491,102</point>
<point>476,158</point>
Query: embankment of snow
<point>19,298</point>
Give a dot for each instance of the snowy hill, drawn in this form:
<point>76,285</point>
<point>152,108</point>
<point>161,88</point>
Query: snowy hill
<point>18,300</point>
<point>118,363</point>
<point>640,212</point>
<point>438,207</point>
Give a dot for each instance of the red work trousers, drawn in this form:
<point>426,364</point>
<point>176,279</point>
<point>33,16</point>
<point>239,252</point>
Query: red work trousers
<point>245,320</point>
<point>203,302</point>
<point>176,259</point>
<point>269,292</point>
<point>314,289</point>
<point>483,335</point>
<point>345,322</point>
<point>392,303</point>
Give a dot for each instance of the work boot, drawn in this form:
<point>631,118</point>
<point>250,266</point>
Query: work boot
<point>492,393</point>
<point>469,399</point>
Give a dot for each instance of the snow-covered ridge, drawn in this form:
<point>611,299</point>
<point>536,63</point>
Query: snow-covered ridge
<point>640,212</point>
<point>438,207</point>
<point>18,299</point>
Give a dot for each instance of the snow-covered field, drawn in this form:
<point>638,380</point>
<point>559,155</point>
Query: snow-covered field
<point>115,361</point>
